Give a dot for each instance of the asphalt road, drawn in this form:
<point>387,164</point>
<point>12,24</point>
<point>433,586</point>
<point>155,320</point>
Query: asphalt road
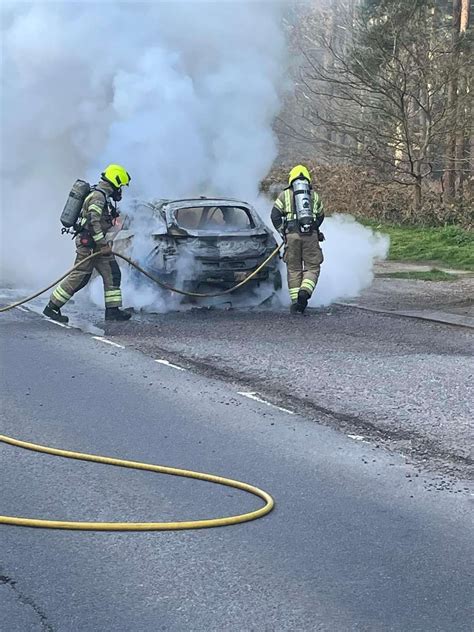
<point>358,541</point>
<point>402,381</point>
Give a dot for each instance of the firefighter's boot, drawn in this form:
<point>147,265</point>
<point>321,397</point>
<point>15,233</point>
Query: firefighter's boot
<point>294,308</point>
<point>114,313</point>
<point>303,298</point>
<point>53,312</point>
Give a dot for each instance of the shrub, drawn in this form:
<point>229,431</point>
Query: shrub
<point>346,189</point>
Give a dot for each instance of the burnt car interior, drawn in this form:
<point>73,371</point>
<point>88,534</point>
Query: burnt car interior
<point>211,218</point>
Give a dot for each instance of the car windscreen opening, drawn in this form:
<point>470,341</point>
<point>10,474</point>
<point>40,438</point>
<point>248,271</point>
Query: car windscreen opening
<point>215,218</point>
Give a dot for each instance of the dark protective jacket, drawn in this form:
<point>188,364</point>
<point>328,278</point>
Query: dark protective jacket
<point>284,214</point>
<point>95,217</point>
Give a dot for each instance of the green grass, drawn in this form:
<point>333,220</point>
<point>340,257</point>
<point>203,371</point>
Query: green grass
<point>418,275</point>
<point>449,246</point>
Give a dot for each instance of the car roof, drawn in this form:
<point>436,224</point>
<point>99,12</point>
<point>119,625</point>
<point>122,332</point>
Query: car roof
<point>203,199</point>
<point>160,203</point>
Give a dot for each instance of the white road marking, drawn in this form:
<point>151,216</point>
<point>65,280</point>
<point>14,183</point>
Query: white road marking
<point>55,322</point>
<point>173,366</point>
<point>262,401</point>
<point>360,438</point>
<point>23,309</point>
<point>108,342</point>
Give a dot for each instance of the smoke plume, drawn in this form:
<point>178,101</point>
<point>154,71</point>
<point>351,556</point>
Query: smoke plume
<point>183,94</point>
<point>349,253</point>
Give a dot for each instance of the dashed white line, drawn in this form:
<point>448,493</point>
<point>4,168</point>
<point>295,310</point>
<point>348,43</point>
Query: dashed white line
<point>356,437</point>
<point>360,438</point>
<point>173,366</point>
<point>262,401</point>
<point>108,342</point>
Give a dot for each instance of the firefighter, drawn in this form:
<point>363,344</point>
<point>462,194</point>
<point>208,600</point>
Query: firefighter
<point>96,218</point>
<point>297,214</point>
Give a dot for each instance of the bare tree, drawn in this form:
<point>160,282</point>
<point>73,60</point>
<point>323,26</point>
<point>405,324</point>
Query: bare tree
<point>386,86</point>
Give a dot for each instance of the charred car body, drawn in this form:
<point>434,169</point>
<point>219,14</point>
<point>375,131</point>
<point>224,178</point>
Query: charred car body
<point>203,245</point>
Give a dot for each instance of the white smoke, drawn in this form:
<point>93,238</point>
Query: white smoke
<point>350,250</point>
<point>181,93</point>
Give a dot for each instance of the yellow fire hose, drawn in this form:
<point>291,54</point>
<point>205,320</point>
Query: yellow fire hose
<point>161,469</point>
<point>139,526</point>
<point>165,286</point>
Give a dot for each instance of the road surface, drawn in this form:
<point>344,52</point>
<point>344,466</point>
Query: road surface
<point>358,541</point>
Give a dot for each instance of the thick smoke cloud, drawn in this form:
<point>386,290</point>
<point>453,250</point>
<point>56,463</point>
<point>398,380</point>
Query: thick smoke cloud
<point>182,93</point>
<point>349,253</point>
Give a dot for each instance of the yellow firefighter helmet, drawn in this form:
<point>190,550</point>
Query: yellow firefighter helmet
<point>300,171</point>
<point>116,175</point>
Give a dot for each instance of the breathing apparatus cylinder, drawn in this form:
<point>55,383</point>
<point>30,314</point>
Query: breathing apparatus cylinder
<point>72,209</point>
<point>304,213</point>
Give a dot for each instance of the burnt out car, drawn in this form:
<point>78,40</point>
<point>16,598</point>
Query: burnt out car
<point>203,245</point>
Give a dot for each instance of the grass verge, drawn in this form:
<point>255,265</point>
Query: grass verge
<point>418,275</point>
<point>449,246</point>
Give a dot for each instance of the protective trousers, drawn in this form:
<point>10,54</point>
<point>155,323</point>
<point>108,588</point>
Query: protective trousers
<point>303,258</point>
<point>106,266</point>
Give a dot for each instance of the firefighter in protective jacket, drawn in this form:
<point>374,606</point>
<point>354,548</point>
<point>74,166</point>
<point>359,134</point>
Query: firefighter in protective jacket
<point>297,214</point>
<point>96,218</point>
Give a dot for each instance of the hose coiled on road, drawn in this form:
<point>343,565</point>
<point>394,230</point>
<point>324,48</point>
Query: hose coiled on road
<point>161,469</point>
<point>139,526</point>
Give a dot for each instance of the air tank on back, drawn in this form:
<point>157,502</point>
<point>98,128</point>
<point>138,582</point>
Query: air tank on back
<point>79,191</point>
<point>304,213</point>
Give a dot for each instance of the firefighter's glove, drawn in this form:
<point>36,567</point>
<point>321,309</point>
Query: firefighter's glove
<point>321,236</point>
